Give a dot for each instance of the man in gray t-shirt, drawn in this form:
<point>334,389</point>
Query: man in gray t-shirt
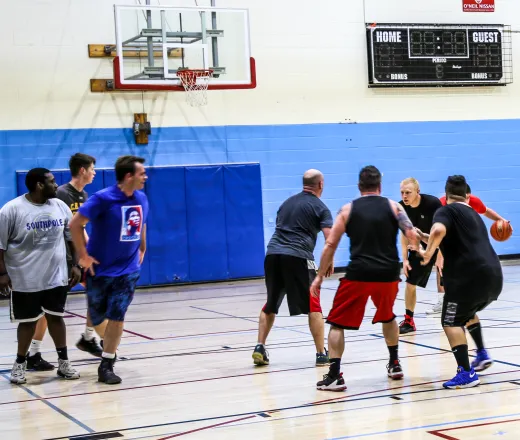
<point>33,266</point>
<point>289,264</point>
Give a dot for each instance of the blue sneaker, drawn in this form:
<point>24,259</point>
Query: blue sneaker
<point>463,379</point>
<point>483,361</point>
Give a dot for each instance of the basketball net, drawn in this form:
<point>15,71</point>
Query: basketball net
<point>195,83</point>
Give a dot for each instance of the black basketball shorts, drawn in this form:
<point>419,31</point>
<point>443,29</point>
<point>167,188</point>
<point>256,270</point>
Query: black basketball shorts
<point>285,274</point>
<point>419,275</point>
<point>464,299</point>
<point>31,306</point>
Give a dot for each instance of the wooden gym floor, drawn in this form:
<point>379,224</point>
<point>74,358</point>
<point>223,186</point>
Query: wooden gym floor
<point>187,372</point>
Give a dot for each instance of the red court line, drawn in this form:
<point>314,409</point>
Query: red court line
<point>206,427</point>
<point>438,432</point>
<point>126,331</point>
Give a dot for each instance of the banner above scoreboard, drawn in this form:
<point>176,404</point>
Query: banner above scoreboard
<point>478,5</point>
<point>440,55</point>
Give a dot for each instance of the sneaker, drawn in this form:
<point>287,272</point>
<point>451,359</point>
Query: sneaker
<point>395,371</point>
<point>322,359</point>
<point>66,371</point>
<point>106,372</point>
<point>437,308</point>
<point>18,373</point>
<point>463,379</point>
<point>483,361</point>
<point>260,355</point>
<point>91,346</point>
<point>37,363</point>
<point>407,326</point>
<point>330,383</point>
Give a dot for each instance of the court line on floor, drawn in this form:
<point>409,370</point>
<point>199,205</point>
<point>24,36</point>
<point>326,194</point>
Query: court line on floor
<point>438,431</point>
<point>415,428</point>
<point>50,405</point>
<point>252,413</point>
<point>179,434</point>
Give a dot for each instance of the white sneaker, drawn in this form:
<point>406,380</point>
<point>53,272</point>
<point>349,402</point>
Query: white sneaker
<point>18,373</point>
<point>437,308</point>
<point>66,371</point>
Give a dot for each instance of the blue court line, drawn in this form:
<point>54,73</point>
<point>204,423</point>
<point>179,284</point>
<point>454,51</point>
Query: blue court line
<point>54,407</point>
<point>250,320</point>
<point>415,428</point>
<point>447,351</point>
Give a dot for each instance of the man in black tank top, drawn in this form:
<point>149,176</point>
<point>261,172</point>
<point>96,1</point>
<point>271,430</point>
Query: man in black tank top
<point>372,223</point>
<point>472,278</point>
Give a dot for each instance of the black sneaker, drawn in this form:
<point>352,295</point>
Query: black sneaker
<point>91,346</point>
<point>395,371</point>
<point>330,383</point>
<point>407,326</point>
<point>37,363</point>
<point>322,359</point>
<point>106,373</point>
<point>260,355</point>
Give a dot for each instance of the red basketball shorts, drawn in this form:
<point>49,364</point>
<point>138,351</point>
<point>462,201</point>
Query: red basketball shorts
<point>348,308</point>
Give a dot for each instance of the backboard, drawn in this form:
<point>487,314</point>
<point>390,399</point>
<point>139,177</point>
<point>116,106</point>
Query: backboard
<point>155,42</point>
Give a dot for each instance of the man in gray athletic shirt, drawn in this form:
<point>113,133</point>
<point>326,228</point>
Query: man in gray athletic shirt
<point>33,267</point>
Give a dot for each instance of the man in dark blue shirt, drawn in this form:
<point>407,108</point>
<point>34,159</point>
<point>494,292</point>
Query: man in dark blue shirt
<point>114,253</point>
<point>289,264</point>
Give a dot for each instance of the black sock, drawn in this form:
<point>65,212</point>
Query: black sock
<point>393,353</point>
<point>62,353</point>
<point>334,368</point>
<point>461,356</point>
<point>409,313</point>
<point>20,359</point>
<point>476,333</point>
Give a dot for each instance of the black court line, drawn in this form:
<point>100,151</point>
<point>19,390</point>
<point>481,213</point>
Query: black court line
<point>305,405</point>
<point>104,436</point>
<point>50,405</point>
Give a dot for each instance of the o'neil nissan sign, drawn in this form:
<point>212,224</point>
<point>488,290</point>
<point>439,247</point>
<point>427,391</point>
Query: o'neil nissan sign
<point>478,5</point>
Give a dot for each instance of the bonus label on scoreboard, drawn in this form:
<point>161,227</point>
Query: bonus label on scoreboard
<point>435,55</point>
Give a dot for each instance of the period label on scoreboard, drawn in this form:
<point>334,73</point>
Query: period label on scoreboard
<point>478,5</point>
<point>418,54</point>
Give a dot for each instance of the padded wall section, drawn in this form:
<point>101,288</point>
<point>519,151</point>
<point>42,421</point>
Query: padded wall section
<point>207,243</point>
<point>167,226</point>
<point>244,226</point>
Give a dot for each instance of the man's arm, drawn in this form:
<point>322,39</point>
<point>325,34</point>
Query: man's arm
<point>493,215</point>
<point>142,245</point>
<point>405,225</point>
<point>437,233</point>
<point>77,225</point>
<point>332,240</point>
<point>5,281</point>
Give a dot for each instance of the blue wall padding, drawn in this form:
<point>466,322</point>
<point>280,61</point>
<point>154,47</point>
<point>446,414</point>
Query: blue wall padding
<point>167,240</point>
<point>206,223</point>
<point>244,226</point>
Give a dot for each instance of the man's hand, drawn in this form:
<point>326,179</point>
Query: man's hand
<point>5,285</point>
<point>316,285</point>
<point>141,256</point>
<point>87,262</point>
<point>439,264</point>
<point>75,276</point>
<point>406,267</point>
<point>330,270</point>
<point>426,257</point>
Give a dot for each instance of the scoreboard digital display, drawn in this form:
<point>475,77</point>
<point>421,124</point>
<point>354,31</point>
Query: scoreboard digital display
<point>435,55</point>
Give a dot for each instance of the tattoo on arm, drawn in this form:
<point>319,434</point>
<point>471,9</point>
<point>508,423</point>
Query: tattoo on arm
<point>404,222</point>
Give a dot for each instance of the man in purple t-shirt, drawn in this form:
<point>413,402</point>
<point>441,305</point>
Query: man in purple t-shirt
<point>114,253</point>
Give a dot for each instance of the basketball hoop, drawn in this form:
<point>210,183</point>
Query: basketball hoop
<point>195,83</point>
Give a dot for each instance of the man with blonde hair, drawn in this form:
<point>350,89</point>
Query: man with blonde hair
<point>420,209</point>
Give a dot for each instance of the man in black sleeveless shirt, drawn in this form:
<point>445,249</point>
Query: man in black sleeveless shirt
<point>372,223</point>
<point>289,264</point>
<point>472,278</point>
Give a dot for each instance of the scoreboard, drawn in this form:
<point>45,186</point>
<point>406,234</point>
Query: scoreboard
<point>435,55</point>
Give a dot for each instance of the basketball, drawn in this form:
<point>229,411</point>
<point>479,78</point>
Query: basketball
<point>501,230</point>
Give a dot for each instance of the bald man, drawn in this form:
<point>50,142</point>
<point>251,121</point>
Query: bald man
<point>289,264</point>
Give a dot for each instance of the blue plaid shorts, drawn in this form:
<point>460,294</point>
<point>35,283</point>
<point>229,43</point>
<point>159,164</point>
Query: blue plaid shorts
<point>110,297</point>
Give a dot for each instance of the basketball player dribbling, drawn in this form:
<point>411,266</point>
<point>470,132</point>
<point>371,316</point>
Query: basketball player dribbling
<point>372,223</point>
<point>478,205</point>
<point>420,209</point>
<point>472,278</point>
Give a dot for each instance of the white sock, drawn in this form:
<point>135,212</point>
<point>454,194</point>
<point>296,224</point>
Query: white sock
<point>108,355</point>
<point>35,347</point>
<point>89,333</point>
